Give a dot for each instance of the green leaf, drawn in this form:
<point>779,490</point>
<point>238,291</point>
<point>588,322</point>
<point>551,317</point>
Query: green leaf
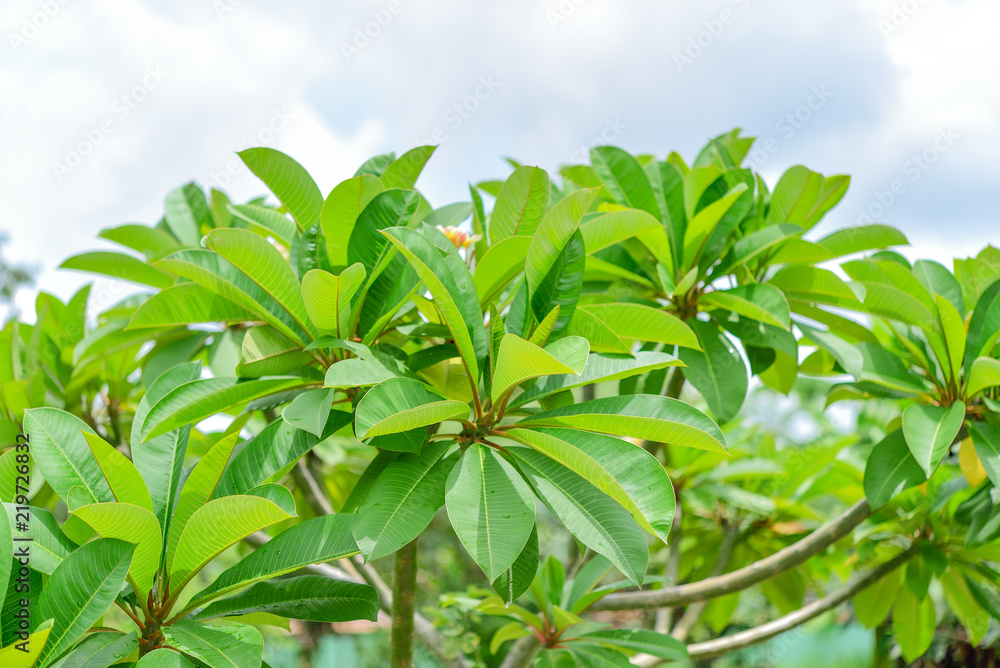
<point>644,323</point>
<point>199,487</point>
<point>930,431</point>
<point>913,623</point>
<point>12,657</point>
<point>314,541</point>
<point>624,178</point>
<point>594,518</point>
<point>314,598</point>
<point>614,227</point>
<point>402,501</point>
<point>702,224</point>
<point>164,658</point>
<point>809,284</point>
<point>212,271</point>
<point>552,235</point>
<point>641,640</point>
<point>597,332</point>
<point>356,372</point>
<point>309,411</point>
<point>80,590</point>
<point>600,368</point>
<point>184,304</point>
<point>963,603</point>
<point>882,367</point>
<point>454,294</point>
<point>509,631</point>
<point>520,360</point>
<point>628,474</point>
<point>890,469</point>
<point>953,327</point>
<point>290,183</point>
<point>265,351</point>
<point>794,195</point>
<point>341,210</point>
<point>160,460</point>
<point>862,238</point>
<point>328,297</point>
<point>522,201</point>
<point>267,222</point>
<point>192,402</point>
<point>764,303</point>
<point>131,524</point>
<point>658,419</point>
<point>49,546</point>
<point>265,266</point>
<point>561,286</point>
<point>872,604</point>
<point>186,213</point>
<point>100,650</point>
<point>515,580</point>
<point>490,508</point>
<point>597,656</point>
<point>61,453</point>
<point>237,646</point>
<point>986,439</point>
<point>718,373</point>
<point>118,265</point>
<point>150,241</point>
<point>889,301</point>
<point>756,243</point>
<point>403,404</point>
<point>985,373</point>
<point>121,475</point>
<point>501,263</point>
<point>847,355</point>
<point>217,525</point>
<point>404,170</point>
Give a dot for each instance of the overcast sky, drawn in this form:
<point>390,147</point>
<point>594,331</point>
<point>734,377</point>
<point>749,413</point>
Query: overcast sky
<point>903,95</point>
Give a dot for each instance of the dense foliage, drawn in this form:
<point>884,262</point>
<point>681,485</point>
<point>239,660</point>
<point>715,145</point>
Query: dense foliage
<point>597,356</point>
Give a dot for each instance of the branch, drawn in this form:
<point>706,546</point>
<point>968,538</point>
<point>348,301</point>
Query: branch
<point>695,610</point>
<point>522,652</point>
<point>719,646</point>
<point>740,579</point>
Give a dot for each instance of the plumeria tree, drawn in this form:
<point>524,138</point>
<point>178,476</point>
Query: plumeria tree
<point>552,357</point>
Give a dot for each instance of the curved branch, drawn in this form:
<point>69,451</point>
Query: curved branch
<point>740,579</point>
<point>522,652</point>
<point>719,646</point>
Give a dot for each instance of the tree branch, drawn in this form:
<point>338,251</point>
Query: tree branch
<point>719,646</point>
<point>695,610</point>
<point>522,652</point>
<point>740,579</point>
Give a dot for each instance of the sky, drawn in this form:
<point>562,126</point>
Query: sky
<point>107,105</point>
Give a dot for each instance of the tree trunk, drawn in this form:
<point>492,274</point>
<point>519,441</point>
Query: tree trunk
<point>404,591</point>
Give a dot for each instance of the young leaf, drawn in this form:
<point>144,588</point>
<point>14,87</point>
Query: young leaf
<point>499,265</point>
<point>404,170</point>
<point>187,303</point>
<point>491,509</point>
<point>328,297</point>
<point>309,411</point>
<point>120,473</point>
<point>15,657</point>
<point>198,489</point>
<point>81,590</point>
<point>644,323</point>
<point>985,373</point>
<point>872,605</point>
<point>755,301</point>
<point>521,360</point>
<point>718,373</point>
<point>654,418</point>
<point>119,265</point>
<point>341,210</point>
<point>624,178</point>
<point>930,431</point>
<point>265,351</point>
<point>553,232</point>
<point>131,524</point>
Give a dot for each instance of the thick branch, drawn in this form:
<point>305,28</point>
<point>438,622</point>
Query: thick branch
<point>404,605</point>
<point>719,646</point>
<point>740,579</point>
<point>522,653</point>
